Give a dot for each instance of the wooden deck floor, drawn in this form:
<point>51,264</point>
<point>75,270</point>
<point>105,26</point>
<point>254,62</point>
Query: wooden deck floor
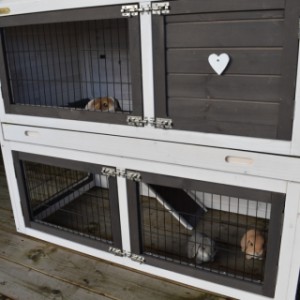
<point>32,269</point>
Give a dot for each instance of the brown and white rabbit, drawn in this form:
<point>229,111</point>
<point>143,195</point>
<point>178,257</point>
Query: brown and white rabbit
<point>201,247</point>
<point>252,244</point>
<point>105,104</point>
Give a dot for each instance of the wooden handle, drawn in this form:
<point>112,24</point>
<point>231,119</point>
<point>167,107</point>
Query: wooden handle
<point>236,160</point>
<point>4,10</point>
<point>31,133</point>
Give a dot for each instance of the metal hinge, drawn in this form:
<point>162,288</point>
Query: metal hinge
<point>161,8</point>
<point>161,123</point>
<point>116,251</point>
<point>133,10</point>
<point>134,176</point>
<point>109,172</point>
<point>130,175</point>
<point>156,122</point>
<point>136,121</point>
<point>123,253</point>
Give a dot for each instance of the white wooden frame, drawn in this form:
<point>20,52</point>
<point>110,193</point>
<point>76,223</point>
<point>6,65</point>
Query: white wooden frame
<point>215,140</point>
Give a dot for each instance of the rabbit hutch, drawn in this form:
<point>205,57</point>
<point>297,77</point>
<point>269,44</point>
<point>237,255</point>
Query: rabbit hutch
<point>162,136</point>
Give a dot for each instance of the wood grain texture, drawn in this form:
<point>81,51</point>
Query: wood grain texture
<point>255,113</point>
<point>262,33</point>
<point>243,61</point>
<point>252,88</point>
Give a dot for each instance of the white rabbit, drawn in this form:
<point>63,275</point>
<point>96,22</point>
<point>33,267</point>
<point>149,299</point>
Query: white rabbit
<point>201,246</point>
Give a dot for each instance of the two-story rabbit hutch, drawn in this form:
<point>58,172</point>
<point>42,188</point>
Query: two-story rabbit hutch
<point>163,136</point>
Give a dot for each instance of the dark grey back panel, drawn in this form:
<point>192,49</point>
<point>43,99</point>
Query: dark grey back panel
<point>255,94</point>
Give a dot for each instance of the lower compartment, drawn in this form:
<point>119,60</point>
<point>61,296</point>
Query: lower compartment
<point>232,238</point>
<point>220,233</point>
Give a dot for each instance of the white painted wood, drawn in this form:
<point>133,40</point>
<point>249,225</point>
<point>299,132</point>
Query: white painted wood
<point>31,6</point>
<point>185,137</point>
<point>242,180</point>
<point>12,185</point>
<point>240,206</point>
<point>295,267</point>
<point>295,146</point>
<point>276,167</point>
<point>146,190</point>
<point>124,214</point>
<point>147,63</point>
<point>286,282</point>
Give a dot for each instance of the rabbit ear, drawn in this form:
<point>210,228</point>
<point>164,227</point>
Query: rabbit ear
<point>191,249</point>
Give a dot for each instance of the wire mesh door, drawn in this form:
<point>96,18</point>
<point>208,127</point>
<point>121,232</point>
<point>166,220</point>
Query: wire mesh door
<point>220,233</point>
<point>83,64</point>
<point>69,199</point>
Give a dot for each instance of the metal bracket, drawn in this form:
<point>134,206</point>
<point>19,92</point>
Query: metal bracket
<point>136,121</point>
<point>161,123</point>
<point>162,8</point>
<point>122,253</point>
<point>110,172</point>
<point>134,176</point>
<point>137,258</point>
<point>133,10</point>
<point>116,251</point>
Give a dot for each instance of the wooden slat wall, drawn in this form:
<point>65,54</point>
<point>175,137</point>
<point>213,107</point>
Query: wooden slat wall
<point>247,98</point>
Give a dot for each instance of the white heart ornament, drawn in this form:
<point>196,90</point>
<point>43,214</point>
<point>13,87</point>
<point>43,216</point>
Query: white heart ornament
<point>219,62</point>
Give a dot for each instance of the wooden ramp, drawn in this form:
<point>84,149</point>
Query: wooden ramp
<point>31,269</point>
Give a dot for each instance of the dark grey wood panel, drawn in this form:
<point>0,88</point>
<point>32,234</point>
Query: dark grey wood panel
<point>262,33</point>
<point>264,61</point>
<point>255,113</point>
<point>189,6</point>
<point>289,69</point>
<point>80,14</point>
<point>239,15</point>
<point>255,88</point>
<point>230,128</point>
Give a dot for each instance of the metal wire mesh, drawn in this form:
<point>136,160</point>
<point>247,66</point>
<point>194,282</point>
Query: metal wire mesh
<point>69,200</point>
<point>212,243</point>
<point>70,64</point>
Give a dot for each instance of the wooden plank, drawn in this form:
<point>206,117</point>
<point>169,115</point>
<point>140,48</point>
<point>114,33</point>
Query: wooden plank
<point>7,220</point>
<point>84,14</point>
<point>242,61</point>
<point>20,282</point>
<point>189,6</point>
<point>233,15</point>
<point>241,129</point>
<point>289,70</point>
<point>262,33</point>
<point>93,275</point>
<point>254,88</point>
<point>246,112</point>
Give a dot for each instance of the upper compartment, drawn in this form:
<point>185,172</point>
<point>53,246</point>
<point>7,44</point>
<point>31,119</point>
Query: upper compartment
<point>75,64</point>
<point>254,47</point>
